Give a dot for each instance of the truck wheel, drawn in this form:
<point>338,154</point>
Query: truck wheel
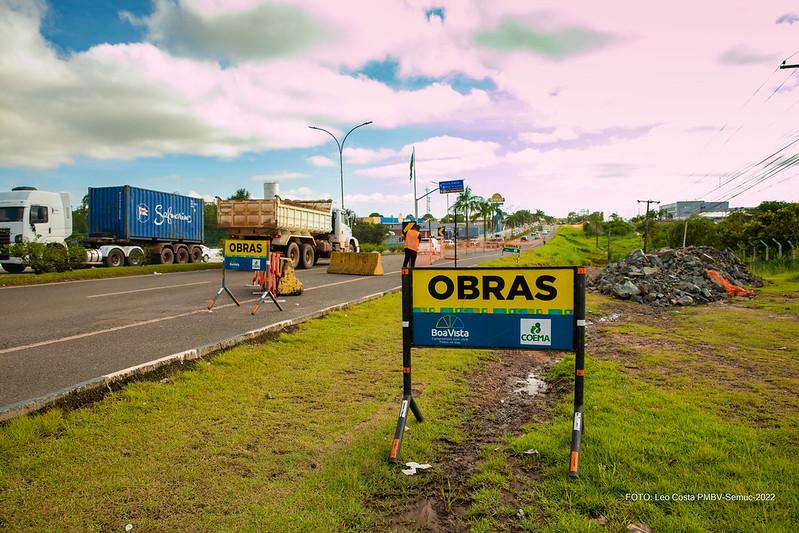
<point>13,268</point>
<point>115,258</point>
<point>135,258</point>
<point>167,256</point>
<point>307,254</point>
<point>182,255</point>
<point>293,253</point>
<point>196,254</point>
<point>353,246</point>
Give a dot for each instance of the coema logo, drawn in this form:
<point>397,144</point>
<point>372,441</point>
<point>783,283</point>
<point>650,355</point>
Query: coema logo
<point>450,326</point>
<point>535,332</point>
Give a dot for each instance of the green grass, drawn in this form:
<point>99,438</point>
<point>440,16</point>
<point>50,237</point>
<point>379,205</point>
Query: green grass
<point>708,405</point>
<point>570,246</point>
<point>208,449</point>
<point>8,280</point>
<point>699,400</point>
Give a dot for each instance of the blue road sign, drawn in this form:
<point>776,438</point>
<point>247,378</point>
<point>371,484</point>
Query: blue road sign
<point>446,187</point>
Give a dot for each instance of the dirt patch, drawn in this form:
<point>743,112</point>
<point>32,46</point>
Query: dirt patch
<point>501,403</point>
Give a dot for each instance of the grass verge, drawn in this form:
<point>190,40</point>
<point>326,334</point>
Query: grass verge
<point>292,434</point>
<point>571,246</point>
<point>8,280</point>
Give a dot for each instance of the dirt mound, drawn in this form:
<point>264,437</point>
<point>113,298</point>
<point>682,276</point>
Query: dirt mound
<point>669,277</point>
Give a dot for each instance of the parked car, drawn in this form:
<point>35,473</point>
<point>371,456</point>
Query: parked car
<point>525,238</point>
<point>448,242</point>
<point>429,245</point>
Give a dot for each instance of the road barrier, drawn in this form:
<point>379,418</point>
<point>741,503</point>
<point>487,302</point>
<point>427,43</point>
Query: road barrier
<point>364,264</point>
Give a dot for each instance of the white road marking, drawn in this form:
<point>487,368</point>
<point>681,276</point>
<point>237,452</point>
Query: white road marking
<point>172,317</point>
<point>148,289</point>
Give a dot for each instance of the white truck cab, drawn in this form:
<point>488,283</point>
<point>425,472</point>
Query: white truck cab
<point>27,214</point>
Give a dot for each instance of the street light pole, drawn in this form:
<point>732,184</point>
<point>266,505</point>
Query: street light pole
<point>341,153</point>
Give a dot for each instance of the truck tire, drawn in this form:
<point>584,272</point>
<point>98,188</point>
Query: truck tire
<point>307,256</point>
<point>135,258</point>
<point>115,258</point>
<point>196,254</point>
<point>182,255</point>
<point>293,253</point>
<point>13,268</point>
<point>167,256</point>
<point>353,246</point>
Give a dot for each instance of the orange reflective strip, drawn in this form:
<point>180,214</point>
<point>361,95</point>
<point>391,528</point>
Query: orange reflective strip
<point>573,463</point>
<point>581,270</point>
<point>405,271</point>
<point>394,448</point>
<point>406,370</point>
<point>581,372</point>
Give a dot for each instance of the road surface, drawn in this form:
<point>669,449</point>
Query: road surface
<point>58,335</point>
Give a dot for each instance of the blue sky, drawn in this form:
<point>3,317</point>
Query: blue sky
<point>556,107</point>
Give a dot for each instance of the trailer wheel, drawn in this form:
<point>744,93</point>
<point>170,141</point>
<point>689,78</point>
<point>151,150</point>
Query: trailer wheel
<point>307,256</point>
<point>135,258</point>
<point>182,255</point>
<point>13,268</point>
<point>115,258</point>
<point>167,256</point>
<point>293,253</point>
<point>196,254</point>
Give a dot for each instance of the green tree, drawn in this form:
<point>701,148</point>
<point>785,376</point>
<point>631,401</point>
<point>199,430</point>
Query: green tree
<point>465,203</point>
<point>370,233</point>
<point>240,194</point>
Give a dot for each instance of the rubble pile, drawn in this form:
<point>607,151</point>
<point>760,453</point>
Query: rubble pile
<point>669,277</point>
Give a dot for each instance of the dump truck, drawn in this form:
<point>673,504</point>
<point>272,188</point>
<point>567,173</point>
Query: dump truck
<point>302,230</point>
<point>124,223</point>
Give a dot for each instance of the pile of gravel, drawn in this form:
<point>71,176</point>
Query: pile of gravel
<point>673,277</point>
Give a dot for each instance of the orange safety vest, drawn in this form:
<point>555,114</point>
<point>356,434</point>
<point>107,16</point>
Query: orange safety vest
<point>412,239</point>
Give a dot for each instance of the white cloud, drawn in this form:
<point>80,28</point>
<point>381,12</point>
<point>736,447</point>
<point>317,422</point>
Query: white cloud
<point>378,198</point>
<point>280,176</point>
<point>208,198</point>
<point>365,156</point>
<point>438,158</point>
<point>557,134</point>
<point>321,161</point>
<point>304,193</point>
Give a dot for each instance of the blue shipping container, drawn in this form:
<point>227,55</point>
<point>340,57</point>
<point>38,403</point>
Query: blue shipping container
<point>133,214</point>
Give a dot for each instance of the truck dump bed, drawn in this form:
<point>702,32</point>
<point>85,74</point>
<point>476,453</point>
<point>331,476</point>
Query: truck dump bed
<point>267,217</point>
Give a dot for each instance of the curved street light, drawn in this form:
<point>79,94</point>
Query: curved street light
<point>341,153</point>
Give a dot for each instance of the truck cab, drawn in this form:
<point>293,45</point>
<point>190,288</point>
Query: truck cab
<point>27,214</point>
<point>341,238</point>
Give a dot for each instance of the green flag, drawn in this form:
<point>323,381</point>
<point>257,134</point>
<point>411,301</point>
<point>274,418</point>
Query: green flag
<point>413,154</point>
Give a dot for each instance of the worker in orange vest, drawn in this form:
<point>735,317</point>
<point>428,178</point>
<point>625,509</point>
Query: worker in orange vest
<point>412,239</point>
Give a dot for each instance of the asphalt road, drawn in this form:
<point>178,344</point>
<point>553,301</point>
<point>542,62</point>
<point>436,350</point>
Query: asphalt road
<point>58,335</point>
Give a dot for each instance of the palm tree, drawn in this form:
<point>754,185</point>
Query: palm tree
<point>466,202</point>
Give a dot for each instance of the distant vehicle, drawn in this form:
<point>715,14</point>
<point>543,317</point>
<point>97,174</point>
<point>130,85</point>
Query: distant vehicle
<point>302,230</point>
<point>525,238</point>
<point>124,223</point>
<point>430,245</point>
<point>211,254</point>
<point>448,242</point>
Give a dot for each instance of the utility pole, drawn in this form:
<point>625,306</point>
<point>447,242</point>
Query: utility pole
<point>646,219</point>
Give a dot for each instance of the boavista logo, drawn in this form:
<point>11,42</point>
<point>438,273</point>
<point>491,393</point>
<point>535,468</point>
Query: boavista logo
<point>451,327</point>
<point>535,332</point>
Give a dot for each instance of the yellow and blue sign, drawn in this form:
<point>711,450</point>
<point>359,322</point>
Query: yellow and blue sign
<point>246,255</point>
<point>522,308</point>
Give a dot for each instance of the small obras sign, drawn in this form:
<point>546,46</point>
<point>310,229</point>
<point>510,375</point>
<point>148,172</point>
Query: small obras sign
<point>522,308</point>
<point>246,255</point>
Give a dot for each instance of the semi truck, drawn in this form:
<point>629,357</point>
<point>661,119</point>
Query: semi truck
<point>124,223</point>
<point>302,230</point>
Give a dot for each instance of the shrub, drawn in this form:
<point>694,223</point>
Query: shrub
<point>50,257</point>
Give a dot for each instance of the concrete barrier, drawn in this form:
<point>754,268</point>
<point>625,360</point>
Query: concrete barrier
<point>362,264</point>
